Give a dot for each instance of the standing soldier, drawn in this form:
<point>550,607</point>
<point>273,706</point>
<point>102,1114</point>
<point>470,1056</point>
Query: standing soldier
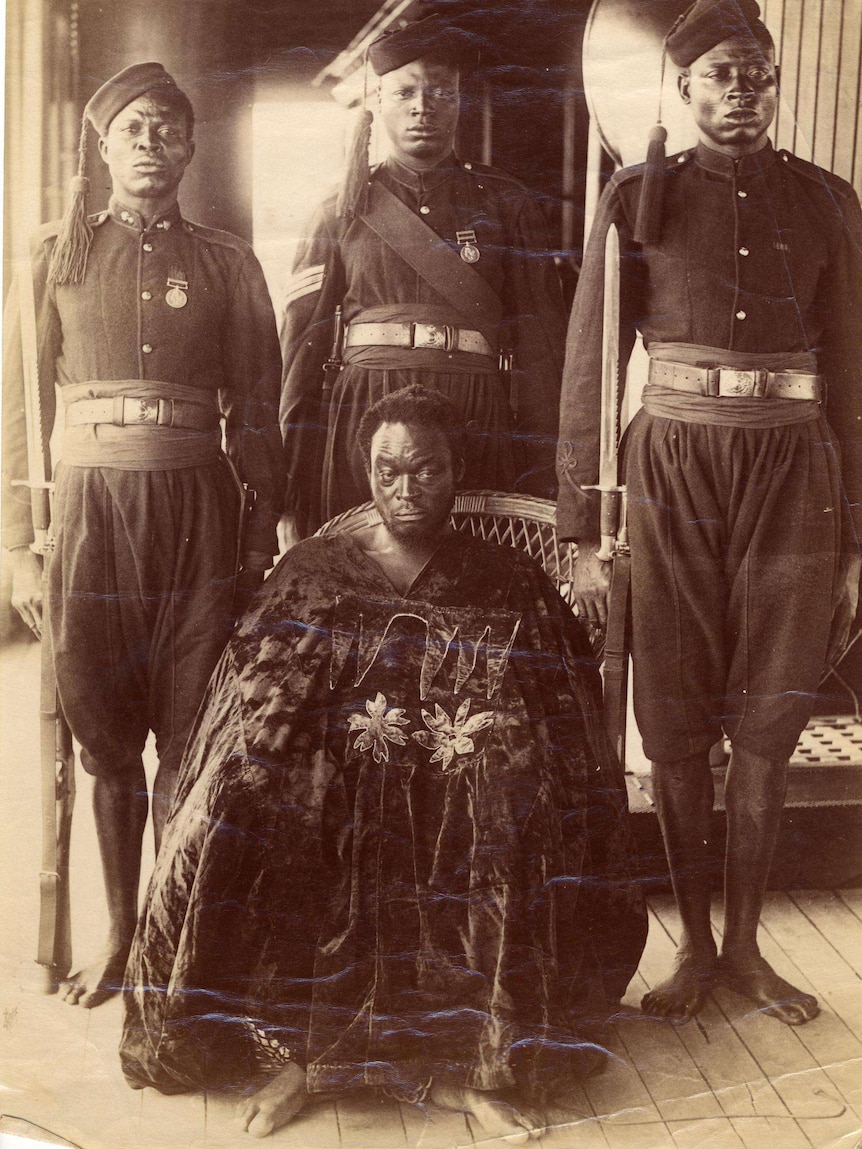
<point>154,328</point>
<point>441,268</point>
<point>741,266</point>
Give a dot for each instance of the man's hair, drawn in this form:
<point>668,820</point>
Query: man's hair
<point>414,406</point>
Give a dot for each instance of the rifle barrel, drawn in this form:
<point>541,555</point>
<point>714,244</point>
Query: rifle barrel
<point>608,447</point>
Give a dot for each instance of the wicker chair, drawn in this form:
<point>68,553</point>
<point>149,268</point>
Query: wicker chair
<point>518,521</point>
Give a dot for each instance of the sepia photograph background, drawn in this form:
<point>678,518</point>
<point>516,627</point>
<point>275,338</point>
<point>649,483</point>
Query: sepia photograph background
<point>565,91</point>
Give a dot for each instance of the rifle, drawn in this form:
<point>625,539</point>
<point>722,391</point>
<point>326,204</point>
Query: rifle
<point>319,415</point>
<point>506,367</point>
<point>333,364</point>
<point>54,951</point>
<point>614,535</point>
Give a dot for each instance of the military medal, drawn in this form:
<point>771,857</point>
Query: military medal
<point>176,296</point>
<point>469,250</point>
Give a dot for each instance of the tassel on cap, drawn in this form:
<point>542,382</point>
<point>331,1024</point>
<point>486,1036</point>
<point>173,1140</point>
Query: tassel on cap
<point>651,202</point>
<point>353,193</point>
<point>72,247</point>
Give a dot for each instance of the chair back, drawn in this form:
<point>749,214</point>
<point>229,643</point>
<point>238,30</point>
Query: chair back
<point>520,521</point>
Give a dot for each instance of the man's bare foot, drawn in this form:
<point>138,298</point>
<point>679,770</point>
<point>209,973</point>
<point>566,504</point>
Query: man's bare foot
<point>751,976</point>
<point>96,982</point>
<point>680,996</point>
<point>274,1104</point>
<point>496,1118</point>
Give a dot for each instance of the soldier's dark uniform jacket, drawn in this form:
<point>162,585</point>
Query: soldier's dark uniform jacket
<point>349,264</point>
<point>736,504</point>
<point>176,317</point>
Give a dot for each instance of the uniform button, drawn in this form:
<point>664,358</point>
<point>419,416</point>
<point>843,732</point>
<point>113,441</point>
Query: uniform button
<point>682,158</point>
<point>744,251</point>
<point>146,349</point>
<point>742,194</point>
<point>146,295</point>
<point>148,247</point>
<point>740,315</point>
<point>424,209</point>
<point>785,158</point>
<point>468,166</point>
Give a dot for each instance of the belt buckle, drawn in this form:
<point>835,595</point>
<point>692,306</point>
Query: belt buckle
<point>735,383</point>
<point>138,411</point>
<point>430,335</point>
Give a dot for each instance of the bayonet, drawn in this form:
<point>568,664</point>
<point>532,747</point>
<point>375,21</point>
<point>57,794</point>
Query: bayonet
<point>614,537</point>
<point>609,479</point>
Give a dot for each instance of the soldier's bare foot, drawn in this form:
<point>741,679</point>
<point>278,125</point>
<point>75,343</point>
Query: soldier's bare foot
<point>496,1117</point>
<point>274,1104</point>
<point>680,996</point>
<point>96,982</point>
<point>748,974</point>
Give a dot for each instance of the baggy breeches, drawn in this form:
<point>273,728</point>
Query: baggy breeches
<point>735,537</point>
<point>141,590</point>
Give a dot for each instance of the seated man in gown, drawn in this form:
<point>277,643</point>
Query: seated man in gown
<point>398,856</point>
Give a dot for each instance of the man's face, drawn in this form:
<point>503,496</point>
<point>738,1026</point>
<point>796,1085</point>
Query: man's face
<point>413,480</point>
<point>733,93</point>
<point>147,149</point>
<point>419,109</point>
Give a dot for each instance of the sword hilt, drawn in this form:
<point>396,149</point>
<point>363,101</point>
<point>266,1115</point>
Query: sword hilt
<point>609,519</point>
<point>609,522</point>
<point>40,510</point>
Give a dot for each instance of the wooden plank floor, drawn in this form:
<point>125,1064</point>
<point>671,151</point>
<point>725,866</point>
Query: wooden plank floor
<point>732,1080</point>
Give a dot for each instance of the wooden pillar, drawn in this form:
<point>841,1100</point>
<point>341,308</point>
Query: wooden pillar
<point>24,192</point>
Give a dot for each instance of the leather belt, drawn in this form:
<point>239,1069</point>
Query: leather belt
<point>441,337</point>
<point>730,382</point>
<point>134,411</point>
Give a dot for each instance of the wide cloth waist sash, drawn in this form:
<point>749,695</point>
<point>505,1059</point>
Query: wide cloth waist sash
<point>145,447</point>
<point>413,358</point>
<point>726,410</point>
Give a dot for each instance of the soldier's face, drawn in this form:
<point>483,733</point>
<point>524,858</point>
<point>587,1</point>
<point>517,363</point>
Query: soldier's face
<point>733,93</point>
<point>419,109</point>
<point>147,149</point>
<point>413,479</point>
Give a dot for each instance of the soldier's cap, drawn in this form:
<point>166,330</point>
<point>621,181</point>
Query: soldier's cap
<point>116,93</point>
<point>431,38</point>
<point>710,22</point>
<point>702,26</point>
<point>72,246</point>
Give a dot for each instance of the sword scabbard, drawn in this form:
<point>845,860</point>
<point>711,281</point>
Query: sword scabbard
<point>617,644</point>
